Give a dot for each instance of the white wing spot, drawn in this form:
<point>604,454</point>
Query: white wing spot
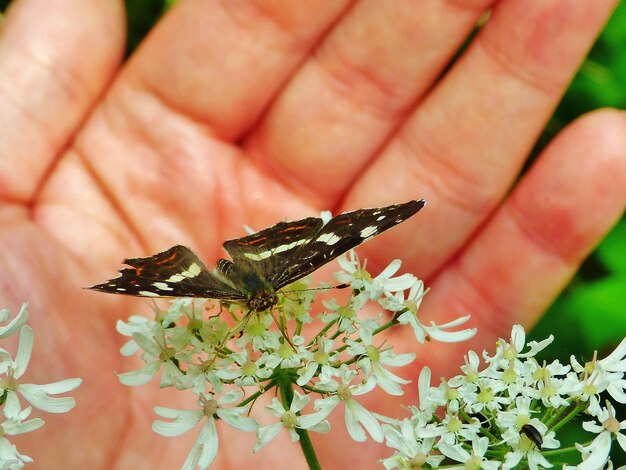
<point>120,289</point>
<point>368,232</point>
<point>192,271</point>
<point>380,218</point>
<point>278,249</point>
<point>147,293</point>
<point>328,238</point>
<point>162,286</point>
<point>258,256</point>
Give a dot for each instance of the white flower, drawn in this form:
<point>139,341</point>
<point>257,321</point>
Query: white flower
<point>516,417</point>
<point>177,309</point>
<point>436,332</point>
<point>451,430</point>
<point>374,361</point>
<point>411,452</point>
<point>205,448</point>
<point>343,315</point>
<point>15,423</point>
<point>36,394</point>
<point>616,361</point>
<point>285,356</point>
<point>20,319</point>
<point>39,395</point>
<point>290,420</point>
<point>475,460</point>
<point>552,390</point>
<point>371,288</point>
<point>322,359</point>
<point>522,447</point>
<point>244,371</point>
<point>257,333</point>
<point>597,453</point>
<point>10,458</point>
<point>397,302</point>
<point>506,351</point>
<point>488,395</point>
<point>156,353</point>
<point>296,301</point>
<point>356,416</point>
<point>429,400</point>
<point>135,324</point>
<point>587,386</point>
<point>607,373</point>
<point>470,371</point>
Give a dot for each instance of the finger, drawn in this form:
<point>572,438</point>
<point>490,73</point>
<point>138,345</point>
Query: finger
<point>154,151</point>
<point>524,256</point>
<point>222,62</point>
<point>464,146</point>
<point>344,102</point>
<point>57,56</point>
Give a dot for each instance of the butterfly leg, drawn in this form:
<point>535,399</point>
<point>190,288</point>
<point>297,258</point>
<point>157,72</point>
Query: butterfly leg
<point>282,330</point>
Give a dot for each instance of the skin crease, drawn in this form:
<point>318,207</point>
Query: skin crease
<point>252,112</point>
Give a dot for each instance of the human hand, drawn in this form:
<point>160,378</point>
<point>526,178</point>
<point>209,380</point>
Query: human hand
<point>258,113</point>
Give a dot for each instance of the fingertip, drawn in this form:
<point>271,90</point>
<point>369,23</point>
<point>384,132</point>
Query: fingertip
<point>605,130</point>
<point>591,153</point>
<point>576,190</point>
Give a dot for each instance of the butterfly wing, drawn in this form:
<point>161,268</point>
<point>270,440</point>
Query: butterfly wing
<point>278,255</point>
<point>177,272</point>
<point>339,235</point>
<point>268,251</point>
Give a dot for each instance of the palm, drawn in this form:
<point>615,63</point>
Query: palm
<point>163,160</point>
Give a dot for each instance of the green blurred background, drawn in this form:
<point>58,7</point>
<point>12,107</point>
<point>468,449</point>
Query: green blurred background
<point>591,313</point>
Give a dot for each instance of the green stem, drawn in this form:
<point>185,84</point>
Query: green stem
<point>555,454</point>
<point>569,416</point>
<point>286,394</point>
<point>307,449</point>
<point>256,395</point>
<point>322,332</point>
<point>375,332</point>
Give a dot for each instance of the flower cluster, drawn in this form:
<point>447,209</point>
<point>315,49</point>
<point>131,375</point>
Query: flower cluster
<point>505,414</point>
<point>313,364</point>
<point>15,416</point>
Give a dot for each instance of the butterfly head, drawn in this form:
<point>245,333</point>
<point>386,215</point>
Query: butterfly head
<point>260,294</point>
<point>263,302</point>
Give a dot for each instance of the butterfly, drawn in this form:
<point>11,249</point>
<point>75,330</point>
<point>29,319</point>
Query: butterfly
<point>262,263</point>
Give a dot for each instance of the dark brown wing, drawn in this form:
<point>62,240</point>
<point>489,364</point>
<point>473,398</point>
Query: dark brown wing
<point>339,235</point>
<point>176,272</point>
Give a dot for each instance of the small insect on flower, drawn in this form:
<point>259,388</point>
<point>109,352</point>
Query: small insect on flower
<point>262,263</point>
<point>532,434</point>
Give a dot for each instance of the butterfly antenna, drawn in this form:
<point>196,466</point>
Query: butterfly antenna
<point>338,286</point>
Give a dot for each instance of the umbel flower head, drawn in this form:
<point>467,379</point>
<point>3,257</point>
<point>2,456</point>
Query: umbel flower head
<point>311,363</point>
<point>505,412</point>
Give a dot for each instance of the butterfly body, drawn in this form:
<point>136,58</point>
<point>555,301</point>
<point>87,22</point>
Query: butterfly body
<point>258,292</point>
<point>262,263</point>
